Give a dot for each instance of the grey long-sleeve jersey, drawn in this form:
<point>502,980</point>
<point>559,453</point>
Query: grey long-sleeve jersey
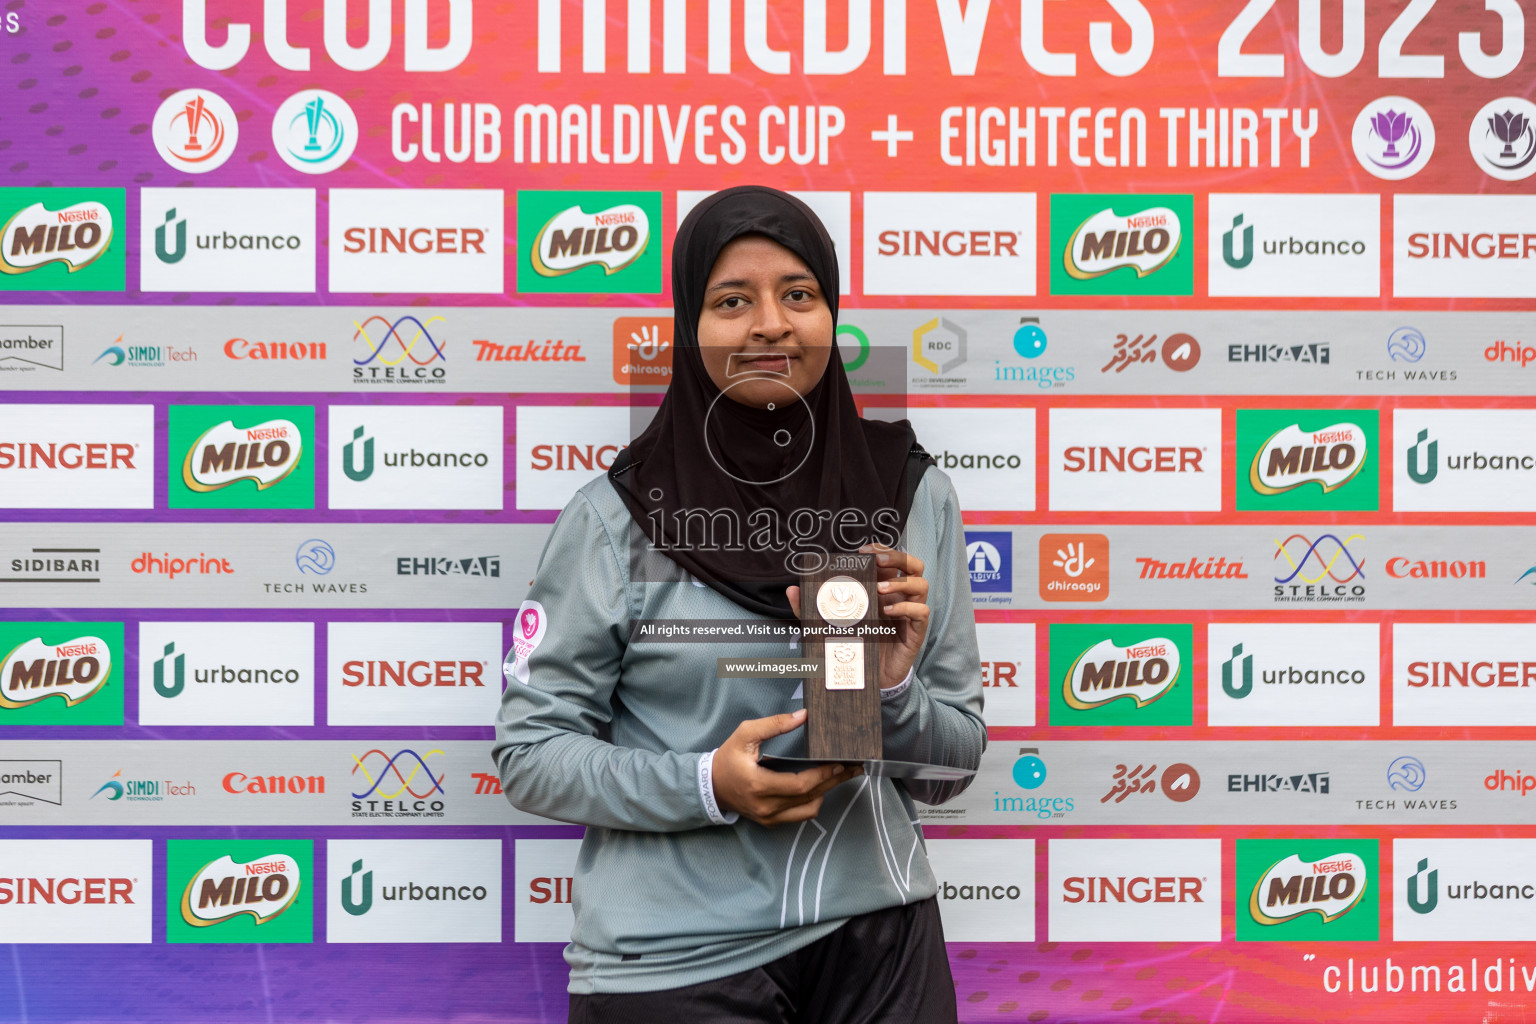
<point>619,736</point>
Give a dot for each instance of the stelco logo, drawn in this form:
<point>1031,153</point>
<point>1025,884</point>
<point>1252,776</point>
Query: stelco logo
<point>75,670</point>
<point>1144,241</point>
<point>76,236</point>
<point>226,454</point>
<point>1330,888</point>
<point>1106,671</point>
<point>571,239</point>
<point>223,890</point>
<point>1329,457</point>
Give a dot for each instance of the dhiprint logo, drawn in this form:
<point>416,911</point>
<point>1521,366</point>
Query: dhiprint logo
<point>1407,773</point>
<point>60,673</point>
<point>949,243</point>
<point>1273,244</point>
<point>1406,345</point>
<point>61,239</point>
<point>642,350</point>
<point>990,557</point>
<point>227,240</point>
<point>1503,138</point>
<point>594,242</point>
<point>1307,890</point>
<point>1101,250</point>
<point>314,131</point>
<point>1393,138</point>
<point>986,888</point>
<point>1293,674</point>
<point>413,673</point>
<point>1121,674</point>
<point>402,351</point>
<point>195,130</point>
<point>77,890</point>
<point>261,463</point>
<point>1307,460</point>
<point>1164,460</point>
<point>227,673</point>
<point>1074,567</point>
<point>1130,890</point>
<point>414,890</point>
<point>416,457</point>
<point>1318,569</point>
<point>399,785</point>
<point>1464,460</point>
<point>239,890</point>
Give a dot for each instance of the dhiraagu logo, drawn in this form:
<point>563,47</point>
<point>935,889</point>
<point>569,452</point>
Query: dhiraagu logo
<point>1122,245</point>
<point>1122,675</point>
<point>63,239</point>
<point>595,242</point>
<point>242,456</point>
<point>239,890</point>
<point>61,673</point>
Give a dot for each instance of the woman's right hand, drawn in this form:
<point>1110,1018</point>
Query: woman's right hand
<point>764,796</point>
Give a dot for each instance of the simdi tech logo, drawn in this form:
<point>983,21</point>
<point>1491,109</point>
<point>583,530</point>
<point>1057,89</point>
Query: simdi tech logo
<point>1133,674</point>
<point>241,456</point>
<point>239,890</point>
<point>1320,460</point>
<point>61,673</point>
<point>600,242</point>
<point>1122,245</point>
<point>1308,890</point>
<point>63,239</point>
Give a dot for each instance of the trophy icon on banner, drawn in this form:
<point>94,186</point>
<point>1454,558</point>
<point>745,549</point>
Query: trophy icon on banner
<point>1391,126</point>
<point>314,111</point>
<point>195,113</point>
<point>1508,127</point>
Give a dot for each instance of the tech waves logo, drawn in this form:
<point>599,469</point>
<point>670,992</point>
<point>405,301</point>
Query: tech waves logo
<point>1330,457</point>
<point>225,889</point>
<point>1104,251</point>
<point>74,671</point>
<point>1140,672</point>
<point>1288,450</point>
<point>399,785</point>
<point>612,239</point>
<point>225,454</point>
<point>399,351</point>
<point>1330,888</point>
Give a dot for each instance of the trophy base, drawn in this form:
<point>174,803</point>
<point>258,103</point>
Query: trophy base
<point>876,767</point>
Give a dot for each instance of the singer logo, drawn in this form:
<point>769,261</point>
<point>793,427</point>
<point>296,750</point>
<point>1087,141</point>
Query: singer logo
<point>73,671</point>
<point>1122,675</point>
<point>239,891</point>
<point>1284,451</point>
<point>1104,252</point>
<point>242,457</point>
<point>565,248</point>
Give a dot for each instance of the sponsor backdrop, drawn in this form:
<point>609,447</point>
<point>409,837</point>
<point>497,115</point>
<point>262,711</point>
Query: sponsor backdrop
<point>1219,317</point>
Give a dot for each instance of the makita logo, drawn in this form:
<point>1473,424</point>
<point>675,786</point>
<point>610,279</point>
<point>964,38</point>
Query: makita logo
<point>239,782</point>
<point>413,673</point>
<point>572,239</point>
<point>1330,458</point>
<point>1140,889</point>
<point>224,890</point>
<point>531,351</point>
<point>1144,241</point>
<point>73,671</point>
<point>70,455</point>
<point>1104,459</point>
<point>485,565</point>
<point>1329,888</point>
<point>76,236</point>
<point>1210,568</point>
<point>264,454</point>
<point>68,891</point>
<point>1142,672</point>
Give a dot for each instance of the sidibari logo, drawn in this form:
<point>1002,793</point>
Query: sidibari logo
<point>225,454</point>
<point>1144,241</point>
<point>76,236</point>
<point>224,889</point>
<point>1330,458</point>
<point>74,671</point>
<point>1142,672</point>
<point>612,239</point>
<point>1330,887</point>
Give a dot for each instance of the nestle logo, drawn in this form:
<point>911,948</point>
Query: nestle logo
<point>265,433</point>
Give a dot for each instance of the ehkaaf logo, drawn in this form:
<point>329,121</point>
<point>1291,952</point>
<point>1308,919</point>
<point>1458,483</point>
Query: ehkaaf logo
<point>60,673</point>
<point>1122,245</point>
<point>588,242</point>
<point>239,890</point>
<point>1307,889</point>
<point>485,566</point>
<point>1121,675</point>
<point>242,456</point>
<point>1307,460</point>
<point>60,239</point>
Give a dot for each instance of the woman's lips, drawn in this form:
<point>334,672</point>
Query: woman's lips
<point>775,363</point>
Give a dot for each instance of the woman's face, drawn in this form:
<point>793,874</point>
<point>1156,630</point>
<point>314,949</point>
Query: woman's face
<point>766,330</point>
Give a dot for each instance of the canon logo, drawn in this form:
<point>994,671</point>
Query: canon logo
<point>416,240</point>
<point>1159,889</point>
<point>1103,459</point>
<point>575,456</point>
<point>239,782</point>
<point>1405,568</point>
<point>1443,245</point>
<point>66,890</point>
<point>949,243</point>
<point>414,673</point>
<point>296,351</point>
<point>90,455</point>
<point>1477,673</point>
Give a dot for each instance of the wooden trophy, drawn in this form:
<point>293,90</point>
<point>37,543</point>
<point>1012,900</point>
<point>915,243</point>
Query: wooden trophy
<point>842,701</point>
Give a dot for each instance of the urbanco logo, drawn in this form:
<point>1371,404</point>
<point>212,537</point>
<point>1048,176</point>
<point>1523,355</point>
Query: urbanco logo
<point>1130,674</point>
<point>989,454</point>
<point>1113,459</point>
<point>1464,890</point>
<point>77,456</point>
<point>63,239</point>
<point>1272,244</point>
<point>226,673</point>
<point>1275,674</point>
<point>195,130</point>
<point>242,456</point>
<point>949,243</point>
<point>1307,460</point>
<point>1294,890</point>
<point>61,673</point>
<point>414,890</point>
<point>1128,890</point>
<point>239,890</point>
<point>986,888</point>
<point>447,241</point>
<point>416,457</point>
<point>77,890</point>
<point>227,239</point>
<point>1464,460</point>
<point>1122,245</point>
<point>595,242</point>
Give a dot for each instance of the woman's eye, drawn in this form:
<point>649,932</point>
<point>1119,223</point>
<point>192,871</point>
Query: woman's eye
<point>731,302</point>
<point>800,295</point>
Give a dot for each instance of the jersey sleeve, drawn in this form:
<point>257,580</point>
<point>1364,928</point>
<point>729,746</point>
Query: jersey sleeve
<point>568,647</point>
<point>938,718</point>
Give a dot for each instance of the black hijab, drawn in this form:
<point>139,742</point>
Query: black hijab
<point>706,454</point>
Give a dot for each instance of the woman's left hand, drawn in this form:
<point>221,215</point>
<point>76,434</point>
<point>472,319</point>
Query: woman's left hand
<point>903,596</point>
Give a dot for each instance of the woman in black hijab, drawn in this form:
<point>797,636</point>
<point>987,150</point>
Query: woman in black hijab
<point>690,903</point>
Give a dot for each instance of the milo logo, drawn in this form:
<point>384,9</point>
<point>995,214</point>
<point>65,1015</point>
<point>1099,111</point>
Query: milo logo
<point>76,236</point>
<point>1144,241</point>
<point>1330,458</point>
<point>225,889</point>
<point>1141,672</point>
<point>226,454</point>
<point>1330,888</point>
<point>74,671</point>
<point>612,239</point>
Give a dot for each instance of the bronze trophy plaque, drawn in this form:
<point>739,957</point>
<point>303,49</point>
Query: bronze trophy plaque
<point>842,702</point>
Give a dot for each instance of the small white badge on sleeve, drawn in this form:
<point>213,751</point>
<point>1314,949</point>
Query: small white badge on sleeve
<point>528,632</point>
